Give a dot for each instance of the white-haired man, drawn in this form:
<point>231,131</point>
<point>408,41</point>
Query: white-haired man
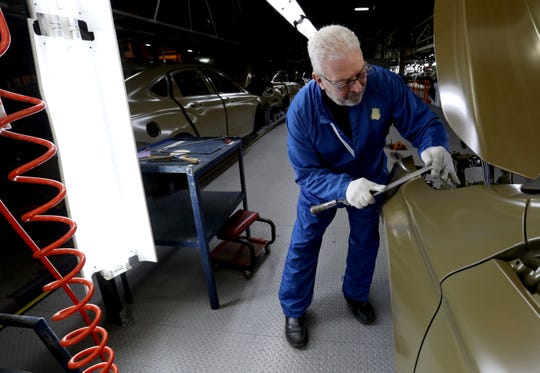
<point>337,127</point>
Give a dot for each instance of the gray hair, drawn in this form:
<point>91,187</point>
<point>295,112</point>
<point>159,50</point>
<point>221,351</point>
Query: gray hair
<point>330,43</point>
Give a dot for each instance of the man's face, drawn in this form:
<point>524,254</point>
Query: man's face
<point>345,79</point>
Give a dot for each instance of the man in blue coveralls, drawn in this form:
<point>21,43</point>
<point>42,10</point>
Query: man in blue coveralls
<point>337,127</point>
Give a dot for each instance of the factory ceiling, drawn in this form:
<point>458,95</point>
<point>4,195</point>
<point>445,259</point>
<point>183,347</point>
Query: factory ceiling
<point>236,31</point>
<point>254,27</point>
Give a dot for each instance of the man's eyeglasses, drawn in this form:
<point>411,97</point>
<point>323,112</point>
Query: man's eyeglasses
<point>342,84</point>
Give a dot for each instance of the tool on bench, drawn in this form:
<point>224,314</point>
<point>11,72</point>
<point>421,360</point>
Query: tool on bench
<point>189,159</point>
<point>174,155</point>
<point>182,155</point>
<point>171,157</point>
<point>315,209</point>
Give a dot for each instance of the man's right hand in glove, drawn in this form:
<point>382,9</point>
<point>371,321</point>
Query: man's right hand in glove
<point>358,192</point>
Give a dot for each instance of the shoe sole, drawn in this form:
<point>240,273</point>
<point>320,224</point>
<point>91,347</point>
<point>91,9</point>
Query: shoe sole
<point>298,345</point>
<point>359,319</point>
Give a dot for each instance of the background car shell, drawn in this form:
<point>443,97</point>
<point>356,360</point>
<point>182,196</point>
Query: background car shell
<point>194,100</point>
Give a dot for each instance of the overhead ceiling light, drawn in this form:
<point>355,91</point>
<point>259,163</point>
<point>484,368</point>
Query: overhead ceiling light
<point>361,9</point>
<point>294,14</point>
<point>205,59</point>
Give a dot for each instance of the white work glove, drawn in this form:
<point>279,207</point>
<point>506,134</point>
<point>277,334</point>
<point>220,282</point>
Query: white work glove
<point>443,165</point>
<point>358,192</point>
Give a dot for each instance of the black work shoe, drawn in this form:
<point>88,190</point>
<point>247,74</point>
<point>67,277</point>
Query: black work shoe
<point>362,311</point>
<point>296,331</point>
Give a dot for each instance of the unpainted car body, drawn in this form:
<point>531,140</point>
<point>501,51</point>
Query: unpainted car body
<point>197,100</point>
<point>465,263</point>
<point>275,98</point>
<point>287,87</point>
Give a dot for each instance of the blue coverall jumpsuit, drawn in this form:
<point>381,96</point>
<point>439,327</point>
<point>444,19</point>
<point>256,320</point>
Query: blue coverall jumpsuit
<point>325,161</point>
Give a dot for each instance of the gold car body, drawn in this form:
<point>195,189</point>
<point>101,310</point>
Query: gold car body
<point>465,263</point>
<point>196,100</point>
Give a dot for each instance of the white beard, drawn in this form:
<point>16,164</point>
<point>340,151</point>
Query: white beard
<point>352,98</point>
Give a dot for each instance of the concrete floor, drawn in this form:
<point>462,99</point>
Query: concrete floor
<point>170,326</point>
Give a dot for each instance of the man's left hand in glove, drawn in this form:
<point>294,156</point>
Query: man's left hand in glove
<point>443,165</point>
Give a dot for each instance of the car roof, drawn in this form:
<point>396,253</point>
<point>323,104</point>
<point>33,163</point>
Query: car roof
<point>143,75</point>
<point>156,70</point>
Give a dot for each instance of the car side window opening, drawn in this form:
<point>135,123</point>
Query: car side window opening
<point>190,83</point>
<point>222,83</point>
<point>160,87</point>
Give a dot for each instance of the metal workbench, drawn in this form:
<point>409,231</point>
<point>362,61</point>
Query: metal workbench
<point>192,217</point>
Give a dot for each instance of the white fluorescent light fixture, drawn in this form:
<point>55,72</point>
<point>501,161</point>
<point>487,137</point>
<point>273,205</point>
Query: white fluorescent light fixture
<point>294,14</point>
<point>81,81</point>
<point>361,9</point>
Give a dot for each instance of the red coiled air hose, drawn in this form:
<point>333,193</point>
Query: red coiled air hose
<point>93,330</point>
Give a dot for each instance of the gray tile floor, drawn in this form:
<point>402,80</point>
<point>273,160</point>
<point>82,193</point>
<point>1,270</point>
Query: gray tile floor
<point>171,327</point>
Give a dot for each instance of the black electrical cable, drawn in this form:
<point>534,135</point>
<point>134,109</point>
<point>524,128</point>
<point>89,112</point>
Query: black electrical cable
<point>456,272</point>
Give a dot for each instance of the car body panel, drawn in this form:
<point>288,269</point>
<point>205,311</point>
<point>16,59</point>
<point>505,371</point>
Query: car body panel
<point>193,100</point>
<point>491,221</point>
<point>206,115</point>
<point>430,243</point>
<point>440,352</point>
<point>505,339</point>
<point>203,106</point>
<point>487,56</point>
<point>465,263</point>
<point>148,106</point>
<point>464,338</point>
<point>236,113</point>
<point>532,224</point>
<point>411,310</point>
<point>236,101</point>
<point>289,88</point>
